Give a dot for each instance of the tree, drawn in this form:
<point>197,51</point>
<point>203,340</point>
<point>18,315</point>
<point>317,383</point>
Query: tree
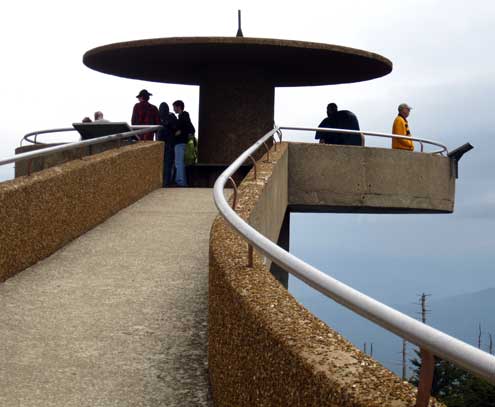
<point>453,385</point>
<point>472,392</point>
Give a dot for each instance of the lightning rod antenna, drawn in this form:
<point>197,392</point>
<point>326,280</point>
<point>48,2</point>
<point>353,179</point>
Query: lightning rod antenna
<point>239,30</point>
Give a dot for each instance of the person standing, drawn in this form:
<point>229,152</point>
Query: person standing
<point>328,122</point>
<point>340,119</point>
<point>348,121</point>
<point>401,128</point>
<point>184,129</point>
<point>144,113</point>
<point>99,117</point>
<point>167,134</point>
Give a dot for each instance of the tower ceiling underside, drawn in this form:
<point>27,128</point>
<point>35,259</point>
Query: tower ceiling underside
<point>281,62</point>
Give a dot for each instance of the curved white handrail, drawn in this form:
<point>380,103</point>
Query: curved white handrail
<point>27,137</point>
<point>426,337</point>
<point>443,148</point>
<point>36,133</point>
<point>69,146</point>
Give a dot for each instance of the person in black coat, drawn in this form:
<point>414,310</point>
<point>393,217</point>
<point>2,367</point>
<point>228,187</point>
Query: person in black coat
<point>340,119</point>
<point>167,134</point>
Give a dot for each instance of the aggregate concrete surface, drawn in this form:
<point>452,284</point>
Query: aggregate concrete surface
<point>118,317</point>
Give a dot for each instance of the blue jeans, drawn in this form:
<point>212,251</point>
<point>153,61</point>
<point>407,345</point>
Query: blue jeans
<point>180,167</point>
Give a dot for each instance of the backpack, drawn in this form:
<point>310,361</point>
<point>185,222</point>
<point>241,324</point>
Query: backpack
<point>191,153</point>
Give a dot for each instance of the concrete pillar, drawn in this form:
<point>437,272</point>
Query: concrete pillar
<point>283,241</point>
<point>236,107</point>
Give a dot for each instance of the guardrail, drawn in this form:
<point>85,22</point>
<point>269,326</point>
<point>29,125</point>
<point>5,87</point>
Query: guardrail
<point>70,146</point>
<point>421,141</point>
<point>29,136</point>
<point>430,340</point>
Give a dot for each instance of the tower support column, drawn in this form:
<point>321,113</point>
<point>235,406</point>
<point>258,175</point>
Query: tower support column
<point>235,109</point>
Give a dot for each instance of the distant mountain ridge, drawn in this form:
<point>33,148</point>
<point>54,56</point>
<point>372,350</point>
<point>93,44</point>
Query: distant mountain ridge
<point>458,316</point>
<point>461,315</point>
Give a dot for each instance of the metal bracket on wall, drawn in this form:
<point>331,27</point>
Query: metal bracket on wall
<point>455,156</point>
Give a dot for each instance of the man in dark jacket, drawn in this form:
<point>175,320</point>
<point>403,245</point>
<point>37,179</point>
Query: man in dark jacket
<point>145,113</point>
<point>184,129</point>
<point>329,122</point>
<point>340,119</point>
<point>167,135</point>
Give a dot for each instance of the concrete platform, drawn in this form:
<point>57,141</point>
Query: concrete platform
<point>119,316</point>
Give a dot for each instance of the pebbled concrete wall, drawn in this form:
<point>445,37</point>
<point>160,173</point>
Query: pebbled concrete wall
<point>42,212</point>
<point>266,349</point>
<point>42,163</point>
<point>267,215</point>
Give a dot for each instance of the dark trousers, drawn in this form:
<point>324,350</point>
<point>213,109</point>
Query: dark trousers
<point>168,165</point>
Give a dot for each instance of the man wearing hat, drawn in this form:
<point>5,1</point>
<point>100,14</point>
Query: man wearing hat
<point>144,113</point>
<point>401,128</point>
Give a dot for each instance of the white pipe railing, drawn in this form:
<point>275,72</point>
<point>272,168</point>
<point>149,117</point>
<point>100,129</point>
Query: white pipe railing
<point>28,136</point>
<point>424,336</point>
<point>70,146</point>
<point>421,141</point>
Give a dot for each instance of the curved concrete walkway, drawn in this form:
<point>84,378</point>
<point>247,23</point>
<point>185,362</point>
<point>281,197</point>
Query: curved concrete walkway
<point>118,317</point>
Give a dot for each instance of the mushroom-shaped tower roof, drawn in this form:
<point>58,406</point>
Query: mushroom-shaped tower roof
<point>188,60</point>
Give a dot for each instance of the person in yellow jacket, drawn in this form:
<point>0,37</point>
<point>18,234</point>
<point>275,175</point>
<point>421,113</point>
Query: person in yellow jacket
<point>401,128</point>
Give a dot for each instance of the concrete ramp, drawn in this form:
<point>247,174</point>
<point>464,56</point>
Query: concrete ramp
<point>119,316</point>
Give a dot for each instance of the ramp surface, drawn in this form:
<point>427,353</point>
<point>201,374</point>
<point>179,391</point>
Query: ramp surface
<point>119,316</point>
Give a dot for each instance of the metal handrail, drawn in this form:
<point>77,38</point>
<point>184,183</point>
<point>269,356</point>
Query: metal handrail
<point>426,337</point>
<point>374,134</point>
<point>27,137</point>
<point>70,146</point>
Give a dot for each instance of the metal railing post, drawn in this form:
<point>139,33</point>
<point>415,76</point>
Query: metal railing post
<point>274,143</point>
<point>250,256</point>
<point>234,185</point>
<point>426,373</point>
<point>254,166</point>
<point>267,153</point>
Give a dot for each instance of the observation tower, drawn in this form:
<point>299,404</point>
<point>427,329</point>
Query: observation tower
<point>237,77</point>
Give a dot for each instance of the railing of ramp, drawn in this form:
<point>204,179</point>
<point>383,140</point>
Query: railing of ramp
<point>32,137</point>
<point>431,341</point>
<point>29,156</point>
<point>364,134</point>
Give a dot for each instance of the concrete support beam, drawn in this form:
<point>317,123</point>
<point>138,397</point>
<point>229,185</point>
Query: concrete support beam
<point>329,178</point>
